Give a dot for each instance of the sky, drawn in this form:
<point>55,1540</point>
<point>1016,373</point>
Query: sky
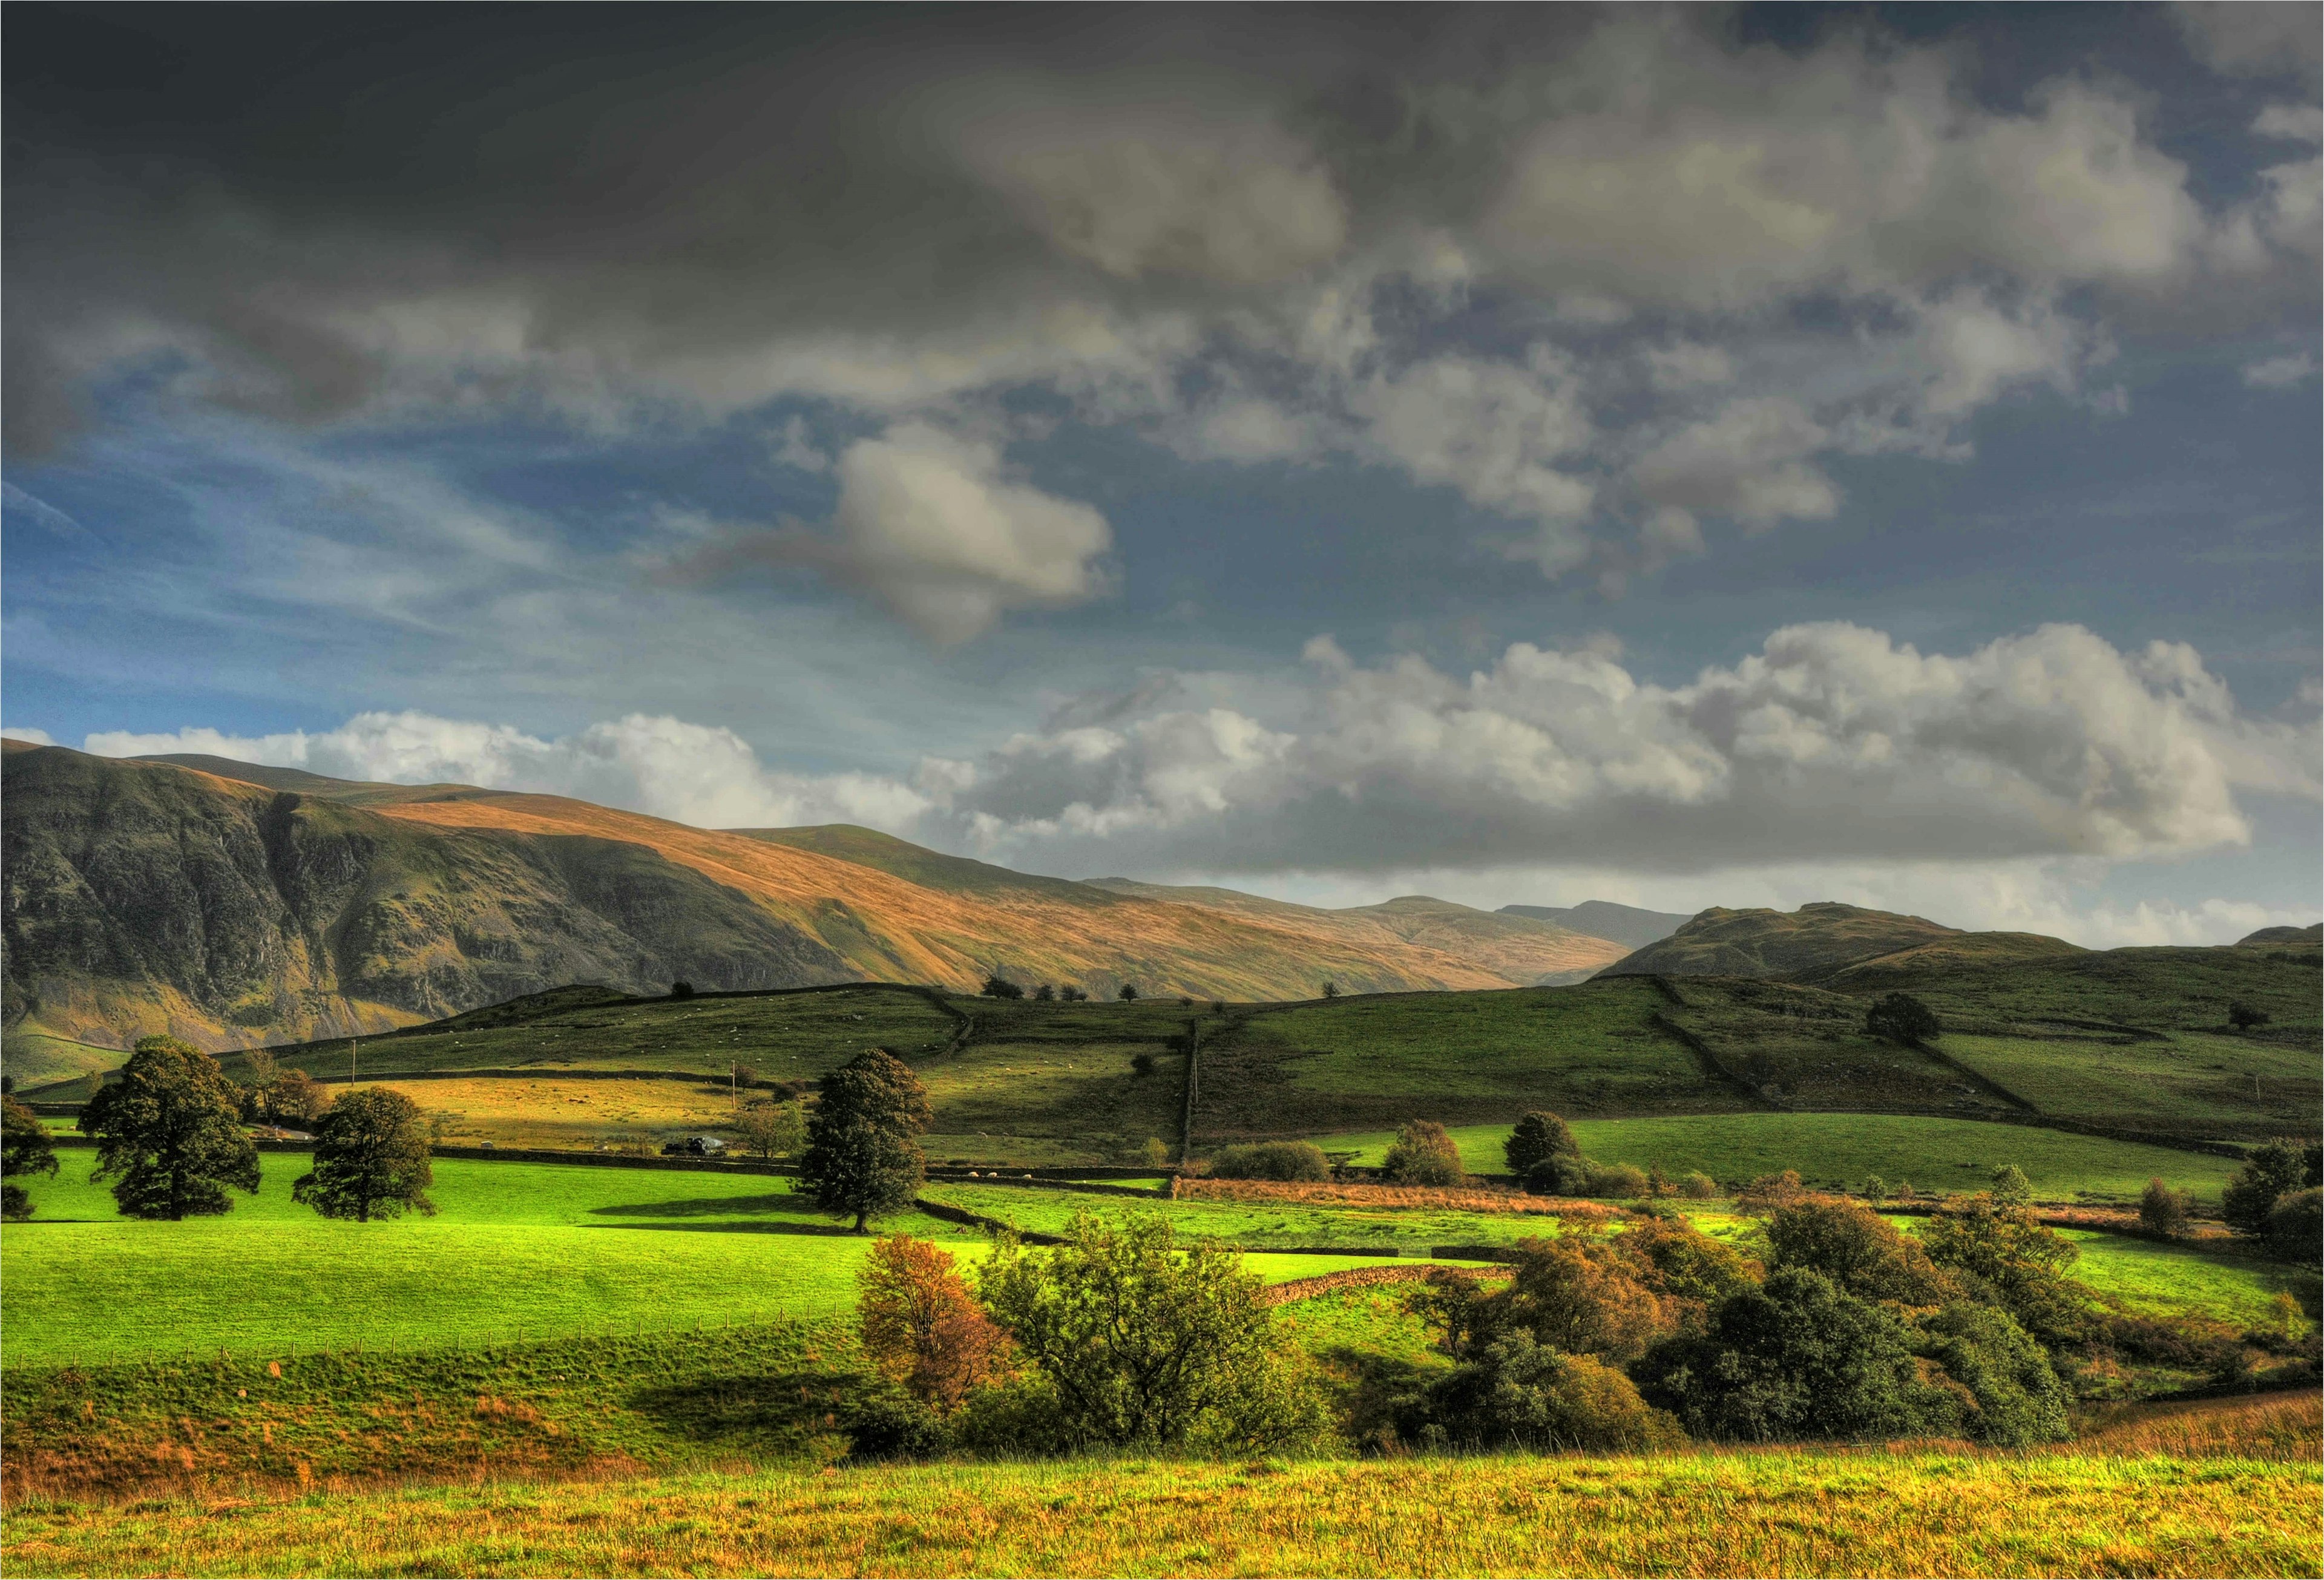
<point>1523,455</point>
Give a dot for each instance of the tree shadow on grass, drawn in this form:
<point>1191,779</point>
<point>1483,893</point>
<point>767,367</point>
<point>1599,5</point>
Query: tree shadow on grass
<point>773,1413</point>
<point>759,1228</point>
<point>784,1202</point>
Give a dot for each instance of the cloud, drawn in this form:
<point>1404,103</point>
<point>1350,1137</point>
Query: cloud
<point>2281,372</point>
<point>2291,123</point>
<point>22,733</point>
<point>1747,461</point>
<point>1992,787</point>
<point>928,523</point>
<point>2253,38</point>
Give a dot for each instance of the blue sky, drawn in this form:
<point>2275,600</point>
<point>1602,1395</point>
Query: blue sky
<point>1688,457</point>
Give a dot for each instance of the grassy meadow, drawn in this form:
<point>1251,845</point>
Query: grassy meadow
<point>1839,1150</point>
<point>1804,1511</point>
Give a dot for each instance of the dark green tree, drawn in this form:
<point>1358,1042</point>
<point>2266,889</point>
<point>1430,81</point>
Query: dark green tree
<point>371,1158</point>
<point>999,987</point>
<point>1901,1019</point>
<point>2295,1225</point>
<point>1129,991</point>
<point>1538,1137</point>
<point>1798,1358</point>
<point>25,1149</point>
<point>2019,1400</point>
<point>2006,1257</point>
<point>2244,1017</point>
<point>1856,1249</point>
<point>2162,1210</point>
<point>2271,1170</point>
<point>167,1133</point>
<point>862,1151</point>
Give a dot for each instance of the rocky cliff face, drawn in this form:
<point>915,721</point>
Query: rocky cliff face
<point>137,897</point>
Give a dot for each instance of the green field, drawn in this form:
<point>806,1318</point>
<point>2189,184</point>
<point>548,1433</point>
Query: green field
<point>1410,1229</point>
<point>2185,1082</point>
<point>1811,1511</point>
<point>524,1249</point>
<point>1839,1150</point>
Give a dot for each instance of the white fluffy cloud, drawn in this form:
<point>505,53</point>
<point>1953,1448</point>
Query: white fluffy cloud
<point>1834,748</point>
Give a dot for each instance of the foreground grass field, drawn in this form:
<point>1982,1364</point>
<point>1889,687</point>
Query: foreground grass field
<point>1801,1512</point>
<point>517,1249</point>
<point>1839,1150</point>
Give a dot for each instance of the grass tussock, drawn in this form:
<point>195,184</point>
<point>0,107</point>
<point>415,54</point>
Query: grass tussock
<point>1813,1512</point>
<point>2266,1427</point>
<point>1423,1197</point>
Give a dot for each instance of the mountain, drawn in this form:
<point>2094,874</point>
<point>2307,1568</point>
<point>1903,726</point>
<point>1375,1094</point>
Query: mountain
<point>1624,924</point>
<point>1819,940</point>
<point>233,906</point>
<point>2313,933</point>
<point>1523,952</point>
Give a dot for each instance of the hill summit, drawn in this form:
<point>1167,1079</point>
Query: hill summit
<point>1818,939</point>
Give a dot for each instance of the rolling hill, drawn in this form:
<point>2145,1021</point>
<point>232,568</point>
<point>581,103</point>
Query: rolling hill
<point>235,906</point>
<point>1816,939</point>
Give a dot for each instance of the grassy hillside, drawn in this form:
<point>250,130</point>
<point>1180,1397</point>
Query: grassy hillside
<point>2248,1508</point>
<point>1720,942</point>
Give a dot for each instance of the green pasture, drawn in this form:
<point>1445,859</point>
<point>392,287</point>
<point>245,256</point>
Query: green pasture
<point>2192,1083</point>
<point>1358,1063</point>
<point>2157,989</point>
<point>536,1250</point>
<point>2209,1280</point>
<point>1933,1155</point>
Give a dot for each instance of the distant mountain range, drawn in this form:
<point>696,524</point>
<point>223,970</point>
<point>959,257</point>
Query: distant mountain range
<point>1603,918</point>
<point>234,904</point>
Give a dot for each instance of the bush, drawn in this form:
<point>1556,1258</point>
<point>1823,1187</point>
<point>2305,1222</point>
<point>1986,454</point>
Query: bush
<point>1560,1176</point>
<point>921,1328</point>
<point>1769,1192</point>
<point>1128,992</point>
<point>1044,994</point>
<point>1422,1154</point>
<point>999,987</point>
<point>1142,1342</point>
<point>888,1423</point>
<point>1615,1182</point>
<point>1072,995</point>
<point>1697,1186</point>
<point>1538,1137</point>
<point>2244,1016</point>
<point>1685,1264</point>
<point>1141,1064</point>
<point>2271,1170</point>
<point>1272,1159</point>
<point>1799,1358</point>
<point>2295,1225</point>
<point>2162,1210</point>
<point>1901,1019</point>
<point>2008,1258</point>
<point>1520,1394</point>
<point>1582,1294</point>
<point>2017,1399</point>
<point>681,989</point>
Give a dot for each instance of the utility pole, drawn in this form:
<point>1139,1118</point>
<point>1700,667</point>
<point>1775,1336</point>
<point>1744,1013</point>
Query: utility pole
<point>351,1064</point>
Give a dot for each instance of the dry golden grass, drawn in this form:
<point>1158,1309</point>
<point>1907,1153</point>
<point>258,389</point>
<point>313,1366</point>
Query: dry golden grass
<point>546,1112</point>
<point>1337,1194</point>
<point>1803,1512</point>
<point>2271,1427</point>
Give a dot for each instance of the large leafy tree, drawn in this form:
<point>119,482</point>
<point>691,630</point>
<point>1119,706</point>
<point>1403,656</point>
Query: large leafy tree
<point>168,1134</point>
<point>371,1158</point>
<point>1538,1137</point>
<point>1422,1154</point>
<point>862,1151</point>
<point>2273,1170</point>
<point>2005,1256</point>
<point>25,1149</point>
<point>1901,1019</point>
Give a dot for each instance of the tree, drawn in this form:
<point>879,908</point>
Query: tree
<point>25,1149</point>
<point>1141,1064</point>
<point>371,1158</point>
<point>2009,1259</point>
<point>2244,1017</point>
<point>1518,1394</point>
<point>295,1097</point>
<point>1331,989</point>
<point>2270,1172</point>
<point>258,1091</point>
<point>1291,1161</point>
<point>2162,1210</point>
<point>769,1129</point>
<point>1073,995</point>
<point>2010,1185</point>
<point>1858,1249</point>
<point>1799,1358</point>
<point>1901,1019</point>
<point>1538,1137</point>
<point>1139,1339</point>
<point>1044,994</point>
<point>2017,1399</point>
<point>999,987</point>
<point>681,989</point>
<point>863,1150</point>
<point>921,1328</point>
<point>1128,992</point>
<point>2295,1224</point>
<point>1422,1154</point>
<point>168,1134</point>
